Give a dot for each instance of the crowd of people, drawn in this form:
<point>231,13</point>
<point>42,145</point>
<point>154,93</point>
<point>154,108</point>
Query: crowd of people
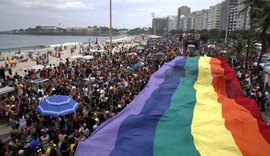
<point>251,79</point>
<point>103,87</point>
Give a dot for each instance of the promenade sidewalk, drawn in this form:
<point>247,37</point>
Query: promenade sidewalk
<point>5,130</point>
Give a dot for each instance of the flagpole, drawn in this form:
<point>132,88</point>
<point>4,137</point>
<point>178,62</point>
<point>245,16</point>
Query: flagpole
<point>111,26</point>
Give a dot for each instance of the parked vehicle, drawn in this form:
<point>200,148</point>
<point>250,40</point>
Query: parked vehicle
<point>265,60</point>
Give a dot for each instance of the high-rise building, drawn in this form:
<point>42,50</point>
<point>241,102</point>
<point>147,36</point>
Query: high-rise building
<point>188,22</point>
<point>184,23</point>
<point>183,10</point>
<point>171,23</point>
<point>181,23</point>
<point>204,19</point>
<point>159,25</point>
<point>232,16</point>
<point>227,15</point>
<point>224,14</point>
<point>201,19</point>
<point>243,17</point>
<point>191,22</point>
<point>214,17</point>
<point>197,20</point>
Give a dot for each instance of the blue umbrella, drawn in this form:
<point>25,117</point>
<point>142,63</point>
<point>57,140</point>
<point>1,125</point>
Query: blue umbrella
<point>58,105</point>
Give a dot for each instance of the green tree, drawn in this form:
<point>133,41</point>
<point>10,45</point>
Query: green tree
<point>137,31</point>
<point>205,36</point>
<point>239,45</point>
<point>215,35</point>
<point>176,32</point>
<point>262,24</point>
<point>250,8</point>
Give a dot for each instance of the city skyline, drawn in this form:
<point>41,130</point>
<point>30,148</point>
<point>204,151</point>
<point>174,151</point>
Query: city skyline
<point>226,15</point>
<point>16,14</point>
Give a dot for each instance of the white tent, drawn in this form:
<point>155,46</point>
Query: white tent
<point>101,51</point>
<point>88,57</point>
<point>6,90</point>
<point>39,81</point>
<point>37,67</point>
<point>55,45</point>
<point>118,40</point>
<point>153,36</point>
<point>77,56</point>
<point>211,46</point>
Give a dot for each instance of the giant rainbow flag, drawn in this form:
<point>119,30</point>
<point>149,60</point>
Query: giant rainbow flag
<point>191,106</point>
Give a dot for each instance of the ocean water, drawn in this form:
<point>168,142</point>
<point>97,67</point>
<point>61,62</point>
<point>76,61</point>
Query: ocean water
<point>31,42</point>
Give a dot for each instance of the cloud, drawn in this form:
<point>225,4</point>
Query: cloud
<point>56,4</point>
<point>126,13</point>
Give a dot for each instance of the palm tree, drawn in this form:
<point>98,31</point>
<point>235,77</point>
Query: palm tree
<point>249,8</point>
<point>262,25</point>
<point>259,14</point>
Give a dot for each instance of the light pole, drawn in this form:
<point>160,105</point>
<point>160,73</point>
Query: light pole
<point>111,26</point>
<point>154,23</point>
<point>227,23</point>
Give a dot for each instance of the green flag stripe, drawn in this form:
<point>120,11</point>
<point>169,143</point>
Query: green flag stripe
<point>173,134</point>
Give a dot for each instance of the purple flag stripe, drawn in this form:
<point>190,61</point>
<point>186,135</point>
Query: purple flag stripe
<point>138,131</point>
<point>103,140</point>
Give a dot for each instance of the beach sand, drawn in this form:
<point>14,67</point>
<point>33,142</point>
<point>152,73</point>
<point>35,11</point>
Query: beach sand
<point>21,66</point>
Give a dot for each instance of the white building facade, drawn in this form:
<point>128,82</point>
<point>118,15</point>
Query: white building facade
<point>172,23</point>
<point>214,17</point>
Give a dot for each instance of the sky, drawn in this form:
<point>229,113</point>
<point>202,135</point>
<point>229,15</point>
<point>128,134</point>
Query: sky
<point>16,14</point>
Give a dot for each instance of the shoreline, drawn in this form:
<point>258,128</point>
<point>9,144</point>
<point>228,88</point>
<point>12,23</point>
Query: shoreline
<point>65,53</point>
<point>64,34</point>
<point>42,47</point>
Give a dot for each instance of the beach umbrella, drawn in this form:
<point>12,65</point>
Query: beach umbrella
<point>101,51</point>
<point>191,106</point>
<point>159,54</point>
<point>38,67</point>
<point>132,54</point>
<point>58,105</point>
<point>139,48</point>
<point>76,57</point>
<point>88,57</point>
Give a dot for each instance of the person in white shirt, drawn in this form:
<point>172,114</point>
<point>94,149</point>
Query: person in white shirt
<point>239,74</point>
<point>22,121</point>
<point>125,84</point>
<point>85,91</point>
<point>84,130</point>
<point>40,90</point>
<point>44,139</point>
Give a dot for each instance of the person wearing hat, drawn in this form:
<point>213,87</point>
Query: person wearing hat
<point>21,152</point>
